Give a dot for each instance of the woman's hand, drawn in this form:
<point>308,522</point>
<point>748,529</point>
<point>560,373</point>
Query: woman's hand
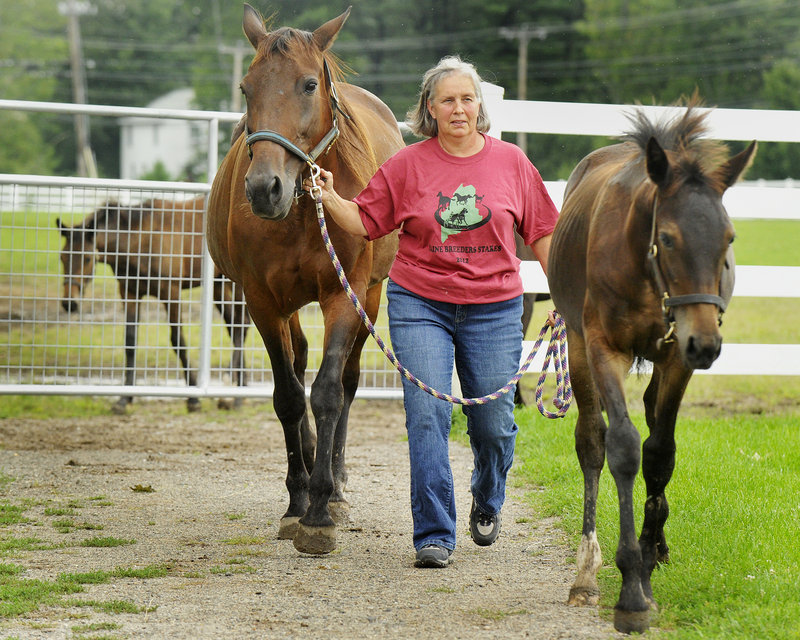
<point>324,183</point>
<point>344,212</point>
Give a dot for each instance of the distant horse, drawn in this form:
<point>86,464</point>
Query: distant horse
<point>264,235</point>
<point>154,248</point>
<point>640,268</point>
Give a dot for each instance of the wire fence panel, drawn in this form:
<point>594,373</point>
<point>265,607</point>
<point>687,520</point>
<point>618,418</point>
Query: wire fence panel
<point>86,271</point>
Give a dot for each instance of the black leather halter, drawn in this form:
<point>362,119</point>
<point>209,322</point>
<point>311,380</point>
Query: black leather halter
<point>669,302</point>
<point>323,146</point>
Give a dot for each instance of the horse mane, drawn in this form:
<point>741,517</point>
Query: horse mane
<point>114,216</point>
<point>694,157</point>
<point>352,147</point>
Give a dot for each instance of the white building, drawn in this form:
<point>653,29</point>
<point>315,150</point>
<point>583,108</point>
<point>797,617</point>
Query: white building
<point>175,143</point>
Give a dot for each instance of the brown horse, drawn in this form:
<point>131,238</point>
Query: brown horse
<point>155,249</point>
<point>524,252</point>
<point>263,233</point>
<point>640,268</point>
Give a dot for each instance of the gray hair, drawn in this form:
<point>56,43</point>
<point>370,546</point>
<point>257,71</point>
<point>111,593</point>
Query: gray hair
<point>420,120</point>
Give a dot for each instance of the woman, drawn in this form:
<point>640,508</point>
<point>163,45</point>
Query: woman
<point>454,290</point>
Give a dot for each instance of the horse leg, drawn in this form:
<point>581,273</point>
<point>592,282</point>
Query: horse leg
<point>527,312</point>
<point>120,407</point>
<point>232,308</point>
<point>590,430</point>
<point>308,438</point>
<point>662,400</point>
<point>623,452</point>
<point>338,505</point>
<point>173,306</point>
<point>317,533</point>
<point>289,402</point>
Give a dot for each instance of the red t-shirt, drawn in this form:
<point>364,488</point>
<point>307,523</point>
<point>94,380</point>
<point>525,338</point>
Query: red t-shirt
<point>457,218</point>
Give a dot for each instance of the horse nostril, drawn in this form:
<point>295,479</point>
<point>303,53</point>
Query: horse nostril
<point>276,190</point>
<point>69,305</point>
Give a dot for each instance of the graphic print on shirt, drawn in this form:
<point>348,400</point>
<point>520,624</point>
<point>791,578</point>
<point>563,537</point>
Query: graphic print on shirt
<point>463,211</point>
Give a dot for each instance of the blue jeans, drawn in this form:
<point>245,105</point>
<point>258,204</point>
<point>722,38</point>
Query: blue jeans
<point>485,341</point>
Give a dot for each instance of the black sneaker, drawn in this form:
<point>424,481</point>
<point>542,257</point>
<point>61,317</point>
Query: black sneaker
<point>432,556</point>
<point>483,528</point>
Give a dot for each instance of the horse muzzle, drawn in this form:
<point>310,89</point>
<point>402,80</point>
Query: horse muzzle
<point>698,335</point>
<point>269,196</point>
<point>700,352</point>
<point>69,305</point>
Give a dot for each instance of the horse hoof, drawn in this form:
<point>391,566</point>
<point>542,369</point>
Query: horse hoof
<point>582,597</point>
<point>193,405</point>
<point>315,540</point>
<point>340,511</point>
<point>288,527</point>
<point>229,404</point>
<point>119,408</point>
<point>631,621</point>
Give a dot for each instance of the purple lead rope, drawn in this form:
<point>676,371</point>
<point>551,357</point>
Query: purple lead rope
<point>556,350</point>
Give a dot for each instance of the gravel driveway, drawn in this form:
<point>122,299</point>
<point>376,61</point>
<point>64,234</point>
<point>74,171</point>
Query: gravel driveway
<point>203,493</point>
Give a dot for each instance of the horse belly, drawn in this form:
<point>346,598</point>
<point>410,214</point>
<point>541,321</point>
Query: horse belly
<point>566,266</point>
<point>218,214</point>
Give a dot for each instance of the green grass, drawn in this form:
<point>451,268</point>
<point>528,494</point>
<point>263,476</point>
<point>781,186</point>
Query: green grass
<point>767,242</point>
<point>734,515</point>
<point>106,541</point>
<point>48,406</point>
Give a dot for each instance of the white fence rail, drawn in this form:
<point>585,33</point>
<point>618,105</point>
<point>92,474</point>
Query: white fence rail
<point>44,350</point>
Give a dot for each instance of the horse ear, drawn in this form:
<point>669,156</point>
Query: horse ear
<point>253,25</point>
<point>326,34</point>
<point>657,162</point>
<point>737,165</point>
<point>62,227</point>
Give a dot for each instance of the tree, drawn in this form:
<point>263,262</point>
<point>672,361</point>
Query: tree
<point>33,58</point>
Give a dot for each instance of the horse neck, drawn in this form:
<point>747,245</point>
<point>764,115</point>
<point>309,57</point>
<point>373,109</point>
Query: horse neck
<point>640,219</point>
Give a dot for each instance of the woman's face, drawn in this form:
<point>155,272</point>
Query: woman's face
<point>455,106</point>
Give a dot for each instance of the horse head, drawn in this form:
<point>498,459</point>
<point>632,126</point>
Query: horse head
<point>291,109</point>
<point>77,258</point>
<point>690,247</point>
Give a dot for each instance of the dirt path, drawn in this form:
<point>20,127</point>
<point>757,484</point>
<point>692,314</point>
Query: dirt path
<point>218,492</point>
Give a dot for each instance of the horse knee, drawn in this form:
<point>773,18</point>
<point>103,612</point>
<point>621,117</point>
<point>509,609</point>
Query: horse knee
<point>623,450</point>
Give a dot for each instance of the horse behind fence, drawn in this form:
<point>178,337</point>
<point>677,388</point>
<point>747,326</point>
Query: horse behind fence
<point>154,248</point>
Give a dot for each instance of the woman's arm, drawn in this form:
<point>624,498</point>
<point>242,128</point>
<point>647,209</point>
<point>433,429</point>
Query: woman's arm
<point>541,249</point>
<point>345,212</point>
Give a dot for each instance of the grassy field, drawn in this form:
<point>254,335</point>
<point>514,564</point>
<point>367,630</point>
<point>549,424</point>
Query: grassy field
<point>734,511</point>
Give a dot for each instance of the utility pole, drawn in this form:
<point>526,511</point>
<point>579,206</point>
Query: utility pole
<point>73,9</point>
<point>523,33</point>
<point>236,73</point>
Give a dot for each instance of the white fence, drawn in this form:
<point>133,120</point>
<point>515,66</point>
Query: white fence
<point>45,350</point>
<point>743,201</point>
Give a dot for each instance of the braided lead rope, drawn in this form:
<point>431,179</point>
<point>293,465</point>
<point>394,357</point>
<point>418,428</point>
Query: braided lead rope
<point>555,350</point>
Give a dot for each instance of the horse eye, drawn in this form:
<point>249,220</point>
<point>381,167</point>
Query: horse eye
<point>666,240</point>
<point>311,87</point>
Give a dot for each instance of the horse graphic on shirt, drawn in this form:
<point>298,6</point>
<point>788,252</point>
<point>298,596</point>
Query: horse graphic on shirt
<point>461,212</point>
